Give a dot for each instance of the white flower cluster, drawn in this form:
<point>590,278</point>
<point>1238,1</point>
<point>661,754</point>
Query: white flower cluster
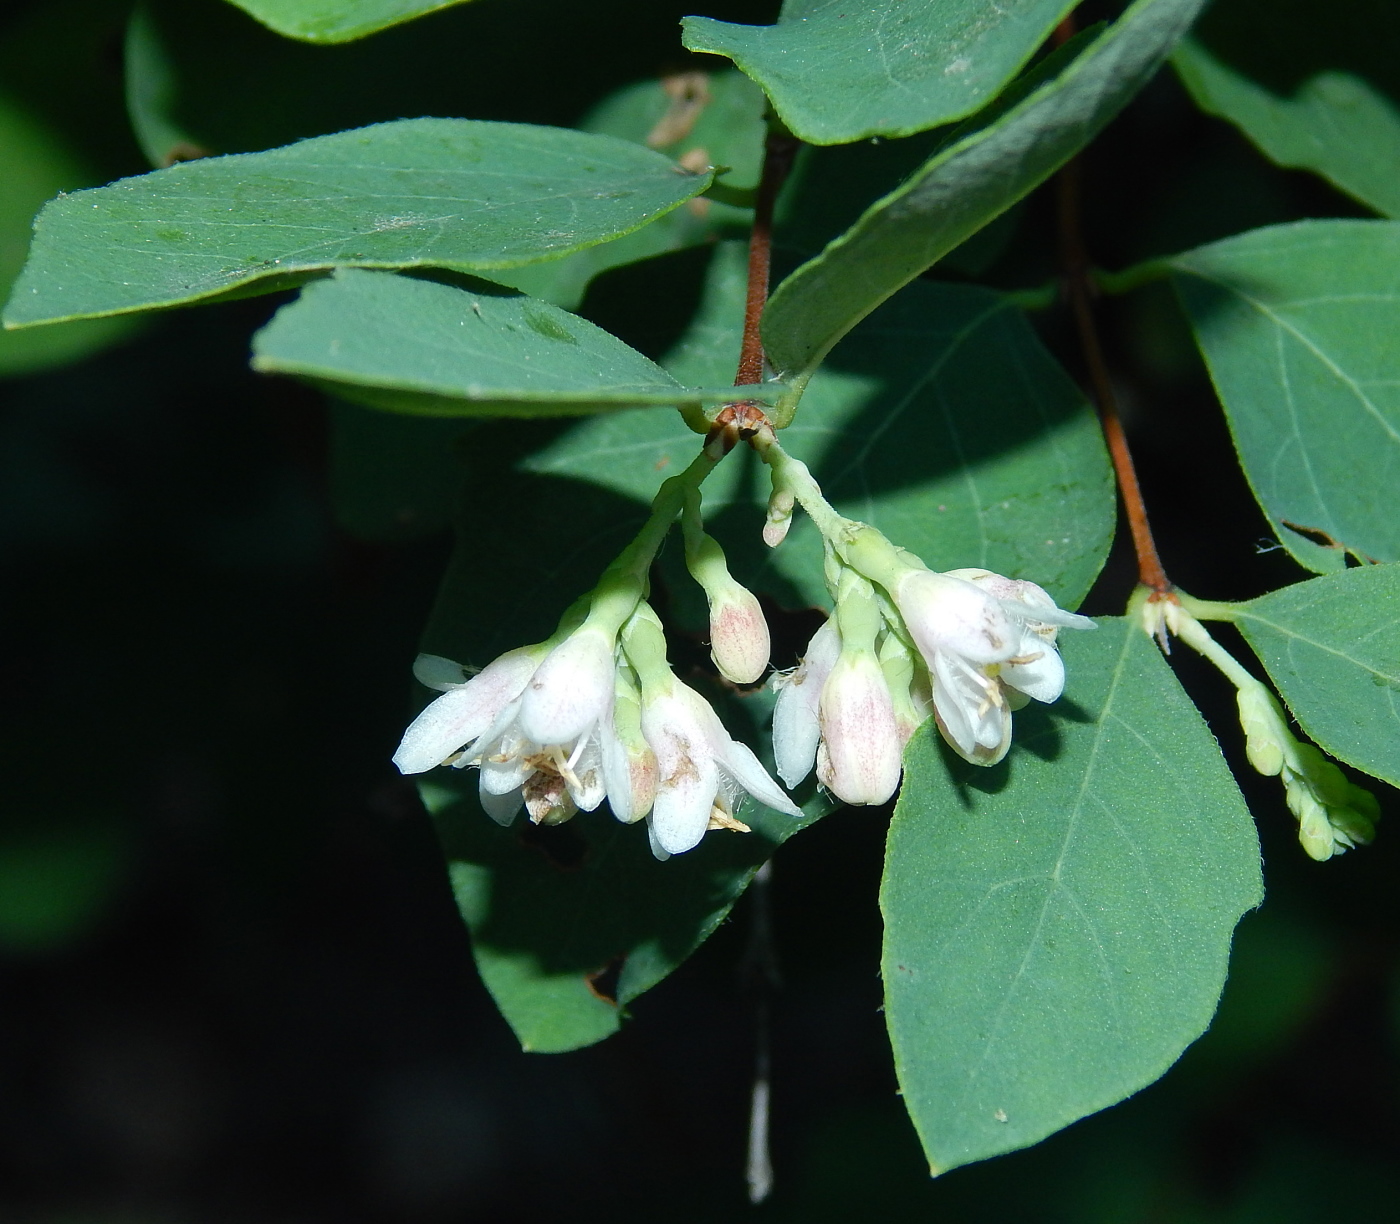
<point>596,712</point>
<point>558,727</point>
<point>969,644</point>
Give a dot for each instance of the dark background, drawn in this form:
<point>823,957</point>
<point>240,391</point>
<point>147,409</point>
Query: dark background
<point>233,985</point>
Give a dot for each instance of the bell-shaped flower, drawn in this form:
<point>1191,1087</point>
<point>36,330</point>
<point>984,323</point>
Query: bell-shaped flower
<point>861,746</point>
<point>479,722</point>
<point>988,642</point>
<point>700,769</point>
<point>629,764</point>
<point>797,711</point>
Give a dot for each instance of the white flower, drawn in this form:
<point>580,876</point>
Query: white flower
<point>989,643</point>
<point>797,712</point>
<point>700,769</point>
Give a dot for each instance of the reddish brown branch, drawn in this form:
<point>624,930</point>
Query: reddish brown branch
<point>778,155</point>
<point>1078,285</point>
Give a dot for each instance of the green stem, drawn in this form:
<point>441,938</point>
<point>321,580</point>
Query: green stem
<point>1136,277</point>
<point>635,560</point>
<point>793,476</point>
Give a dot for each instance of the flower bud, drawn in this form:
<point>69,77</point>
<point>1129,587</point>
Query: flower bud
<point>739,642</point>
<point>572,688</point>
<point>861,740</point>
<point>780,507</point>
<point>1264,730</point>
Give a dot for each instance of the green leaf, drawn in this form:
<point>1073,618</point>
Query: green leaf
<point>839,72</point>
<point>410,345</point>
<point>1298,324</point>
<point>1336,124</point>
<point>984,169</point>
<point>554,913</point>
<point>337,21</point>
<point>1332,646</point>
<point>941,420</point>
<point>1057,928</point>
<point>35,165</point>
<point>447,193</point>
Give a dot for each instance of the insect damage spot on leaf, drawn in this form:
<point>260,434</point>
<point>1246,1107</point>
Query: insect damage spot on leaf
<point>603,982</point>
<point>541,323</point>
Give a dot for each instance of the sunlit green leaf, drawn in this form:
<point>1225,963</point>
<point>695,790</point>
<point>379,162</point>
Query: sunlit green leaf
<point>840,72</point>
<point>986,167</point>
<point>336,21</point>
<point>1332,646</point>
<point>1058,927</point>
<point>1298,326</point>
<point>449,193</point>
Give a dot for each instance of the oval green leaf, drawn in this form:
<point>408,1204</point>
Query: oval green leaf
<point>839,72</point>
<point>984,169</point>
<point>447,193</point>
<point>1057,928</point>
<point>1298,325</point>
<point>1332,646</point>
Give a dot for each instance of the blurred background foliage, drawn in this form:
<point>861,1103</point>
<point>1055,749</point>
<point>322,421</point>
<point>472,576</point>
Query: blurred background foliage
<point>235,984</point>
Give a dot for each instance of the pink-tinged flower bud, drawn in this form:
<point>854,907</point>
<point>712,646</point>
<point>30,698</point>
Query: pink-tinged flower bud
<point>466,711</point>
<point>860,761</point>
<point>796,714</point>
<point>780,507</point>
<point>739,642</point>
<point>571,690</point>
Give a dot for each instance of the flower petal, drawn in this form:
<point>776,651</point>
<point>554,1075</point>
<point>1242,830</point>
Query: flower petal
<point>464,713</point>
<point>571,690</point>
<point>1042,678</point>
